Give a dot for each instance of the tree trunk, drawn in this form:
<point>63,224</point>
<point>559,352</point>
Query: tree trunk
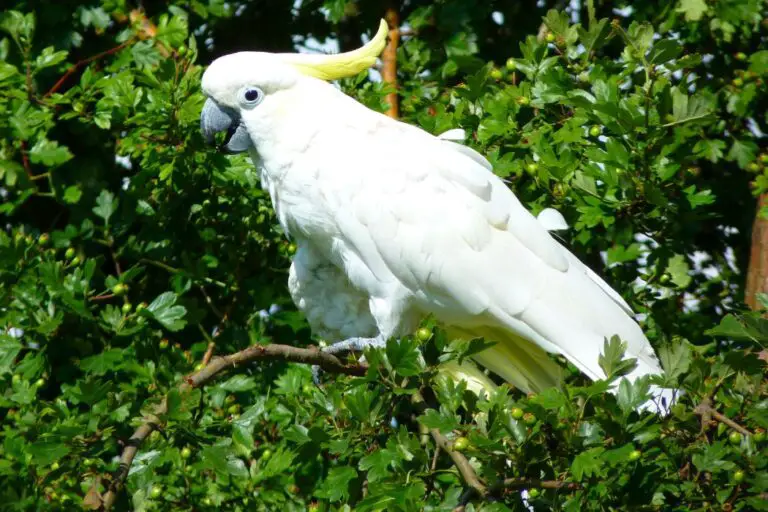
<point>757,273</point>
<point>389,60</point>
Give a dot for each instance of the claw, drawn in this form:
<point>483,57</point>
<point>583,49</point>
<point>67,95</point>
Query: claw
<point>316,373</point>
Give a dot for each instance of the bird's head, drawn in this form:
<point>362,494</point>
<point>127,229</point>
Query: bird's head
<point>242,87</point>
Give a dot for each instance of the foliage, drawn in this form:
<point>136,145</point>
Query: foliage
<point>129,249</point>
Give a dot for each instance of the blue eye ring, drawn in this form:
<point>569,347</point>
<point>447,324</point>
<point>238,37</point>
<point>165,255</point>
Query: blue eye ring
<point>251,96</point>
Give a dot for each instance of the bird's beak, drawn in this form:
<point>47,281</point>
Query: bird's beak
<point>215,119</point>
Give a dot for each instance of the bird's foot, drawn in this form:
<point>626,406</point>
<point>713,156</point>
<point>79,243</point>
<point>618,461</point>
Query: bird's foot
<point>345,346</point>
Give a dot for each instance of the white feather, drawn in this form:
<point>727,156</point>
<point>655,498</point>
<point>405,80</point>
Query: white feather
<point>414,224</point>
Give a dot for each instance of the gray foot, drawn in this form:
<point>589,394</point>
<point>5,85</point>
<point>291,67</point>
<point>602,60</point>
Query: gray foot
<point>348,345</point>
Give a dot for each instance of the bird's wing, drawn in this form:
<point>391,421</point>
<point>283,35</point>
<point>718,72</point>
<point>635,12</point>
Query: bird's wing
<point>471,253</point>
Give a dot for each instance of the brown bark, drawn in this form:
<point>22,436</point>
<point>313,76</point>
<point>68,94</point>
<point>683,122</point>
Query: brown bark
<point>757,273</point>
<point>389,60</point>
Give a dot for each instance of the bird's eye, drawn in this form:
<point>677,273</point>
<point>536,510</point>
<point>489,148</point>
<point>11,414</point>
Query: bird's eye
<point>251,96</point>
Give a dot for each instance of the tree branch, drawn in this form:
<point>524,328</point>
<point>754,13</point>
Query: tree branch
<point>707,413</point>
<point>77,65</point>
<point>219,365</point>
<point>389,61</point>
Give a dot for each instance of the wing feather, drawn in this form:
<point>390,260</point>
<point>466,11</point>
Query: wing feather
<point>474,256</point>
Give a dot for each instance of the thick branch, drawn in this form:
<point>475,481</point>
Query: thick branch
<point>219,365</point>
<point>389,61</point>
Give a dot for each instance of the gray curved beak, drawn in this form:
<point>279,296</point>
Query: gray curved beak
<point>215,119</point>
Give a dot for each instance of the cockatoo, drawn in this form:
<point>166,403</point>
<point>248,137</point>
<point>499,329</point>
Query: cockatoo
<point>392,224</point>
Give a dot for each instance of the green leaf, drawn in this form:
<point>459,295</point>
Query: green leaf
<point>404,356</point>
<point>106,205</point>
<point>47,451</point>
<point>731,327</point>
<point>587,464</point>
<point>688,109</point>
<point>743,152</point>
<point>336,485</point>
<point>631,395</point>
<point>9,349</point>
<point>49,153</point>
<point>664,50</point>
<point>165,311</point>
<point>679,270</point>
<point>675,359</point>
<point>377,464</point>
<point>612,358</point>
<point>104,362</point>
<point>49,57</point>
<point>444,422</point>
<point>693,10</point>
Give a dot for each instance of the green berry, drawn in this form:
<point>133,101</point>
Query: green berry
<point>54,466</point>
<point>496,74</point>
<point>461,444</point>
<point>517,413</point>
<point>753,167</point>
<point>635,455</point>
<point>186,452</point>
<point>523,100</point>
<point>120,289</point>
<point>595,131</point>
<point>529,419</point>
<point>266,454</point>
<point>550,37</point>
<point>764,158</point>
<point>534,493</point>
<point>759,435</point>
<point>230,399</point>
<point>532,167</point>
<point>156,491</point>
<point>734,438</point>
<point>163,344</point>
<point>16,378</point>
<point>40,382</point>
<point>141,307</point>
<point>741,56</point>
<point>44,239</point>
<point>511,64</point>
<point>291,248</point>
<point>738,476</point>
<point>737,82</point>
<point>199,366</point>
<point>182,50</point>
<point>233,409</point>
<point>665,278</point>
<point>75,260</point>
<point>127,307</point>
<point>70,253</point>
<point>424,334</point>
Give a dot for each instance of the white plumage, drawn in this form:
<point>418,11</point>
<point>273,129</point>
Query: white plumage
<point>392,224</point>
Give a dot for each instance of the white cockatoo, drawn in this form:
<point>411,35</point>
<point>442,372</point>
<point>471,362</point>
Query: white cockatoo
<point>393,224</point>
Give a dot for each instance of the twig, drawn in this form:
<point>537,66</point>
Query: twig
<point>459,460</point>
<point>77,65</point>
<point>527,483</point>
<point>106,296</point>
<point>389,60</point>
<point>707,413</point>
<point>25,160</point>
<point>218,365</point>
<point>208,353</point>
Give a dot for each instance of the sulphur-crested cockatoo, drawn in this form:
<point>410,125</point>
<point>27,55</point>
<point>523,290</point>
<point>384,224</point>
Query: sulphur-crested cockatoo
<point>393,224</point>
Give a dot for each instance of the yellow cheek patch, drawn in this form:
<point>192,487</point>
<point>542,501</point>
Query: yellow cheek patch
<point>341,65</point>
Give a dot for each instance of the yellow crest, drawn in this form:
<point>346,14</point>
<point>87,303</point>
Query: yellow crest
<point>341,65</point>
